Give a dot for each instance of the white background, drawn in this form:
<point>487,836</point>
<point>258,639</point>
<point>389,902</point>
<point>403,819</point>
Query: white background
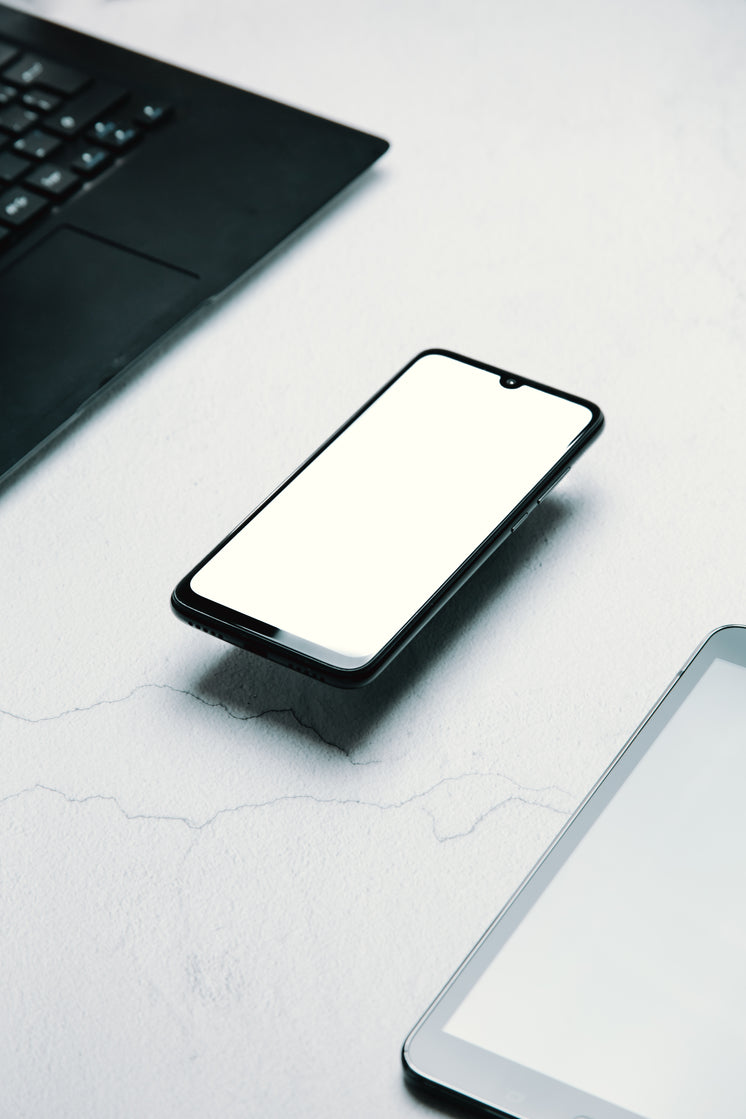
<point>228,890</point>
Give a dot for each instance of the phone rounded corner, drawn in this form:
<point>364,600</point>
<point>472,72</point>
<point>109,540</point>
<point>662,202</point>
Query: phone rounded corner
<point>185,605</point>
<point>598,419</point>
<point>178,605</point>
<point>350,679</point>
<point>430,351</point>
<point>438,351</point>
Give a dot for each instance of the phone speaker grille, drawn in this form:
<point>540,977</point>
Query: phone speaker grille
<point>204,629</point>
<point>277,660</point>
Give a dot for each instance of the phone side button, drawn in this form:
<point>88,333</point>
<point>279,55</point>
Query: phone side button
<point>520,521</point>
<point>546,494</point>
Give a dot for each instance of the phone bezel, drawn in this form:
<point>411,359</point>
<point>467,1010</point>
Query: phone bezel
<point>328,665</point>
<point>438,1062</point>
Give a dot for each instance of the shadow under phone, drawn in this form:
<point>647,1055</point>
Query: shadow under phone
<point>344,719</point>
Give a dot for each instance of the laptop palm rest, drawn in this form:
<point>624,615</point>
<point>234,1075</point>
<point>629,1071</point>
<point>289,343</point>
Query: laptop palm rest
<point>61,326</point>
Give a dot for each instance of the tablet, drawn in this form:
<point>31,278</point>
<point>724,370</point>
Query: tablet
<point>613,983</point>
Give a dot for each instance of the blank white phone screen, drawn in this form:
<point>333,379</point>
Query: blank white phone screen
<point>348,552</point>
<point>627,978</point>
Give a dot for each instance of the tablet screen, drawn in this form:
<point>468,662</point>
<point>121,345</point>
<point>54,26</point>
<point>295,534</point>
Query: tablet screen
<point>613,984</point>
<point>627,978</point>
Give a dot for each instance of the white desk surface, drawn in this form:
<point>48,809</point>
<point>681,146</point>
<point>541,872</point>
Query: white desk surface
<point>228,890</point>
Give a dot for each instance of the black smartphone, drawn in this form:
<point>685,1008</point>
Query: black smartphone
<point>350,556</point>
<point>613,984</point>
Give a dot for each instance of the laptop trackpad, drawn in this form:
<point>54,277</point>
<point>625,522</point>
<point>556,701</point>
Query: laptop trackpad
<point>76,310</point>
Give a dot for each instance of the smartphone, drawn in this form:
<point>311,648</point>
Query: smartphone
<point>613,984</point>
<point>349,557</point>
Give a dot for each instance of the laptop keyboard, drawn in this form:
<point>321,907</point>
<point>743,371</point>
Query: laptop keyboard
<point>59,129</point>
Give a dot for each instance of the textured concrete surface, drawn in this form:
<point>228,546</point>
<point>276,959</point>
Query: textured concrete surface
<point>228,890</point>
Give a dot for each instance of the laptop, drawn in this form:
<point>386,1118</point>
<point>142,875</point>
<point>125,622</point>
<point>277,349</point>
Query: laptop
<point>131,192</point>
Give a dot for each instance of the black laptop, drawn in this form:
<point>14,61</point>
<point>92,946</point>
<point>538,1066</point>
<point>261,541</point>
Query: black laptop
<point>130,193</point>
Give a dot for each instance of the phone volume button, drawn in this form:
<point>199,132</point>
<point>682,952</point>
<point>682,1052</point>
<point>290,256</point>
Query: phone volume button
<point>520,521</point>
<point>551,487</point>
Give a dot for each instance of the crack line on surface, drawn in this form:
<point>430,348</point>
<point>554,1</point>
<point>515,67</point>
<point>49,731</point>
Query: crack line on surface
<point>443,838</point>
<point>383,807</point>
<point>192,695</point>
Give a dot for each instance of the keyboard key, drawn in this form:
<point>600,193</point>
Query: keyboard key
<point>41,101</point>
<point>32,70</point>
<point>114,135</point>
<point>37,144</point>
<point>16,119</point>
<point>150,113</point>
<point>101,129</point>
<point>56,182</point>
<point>18,206</point>
<point>11,167</point>
<point>7,54</point>
<point>7,94</point>
<point>78,113</point>
<point>91,161</point>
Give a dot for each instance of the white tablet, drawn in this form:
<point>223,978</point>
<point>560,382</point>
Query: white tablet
<point>613,984</point>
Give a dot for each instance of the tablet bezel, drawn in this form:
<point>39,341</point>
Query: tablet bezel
<point>437,1061</point>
